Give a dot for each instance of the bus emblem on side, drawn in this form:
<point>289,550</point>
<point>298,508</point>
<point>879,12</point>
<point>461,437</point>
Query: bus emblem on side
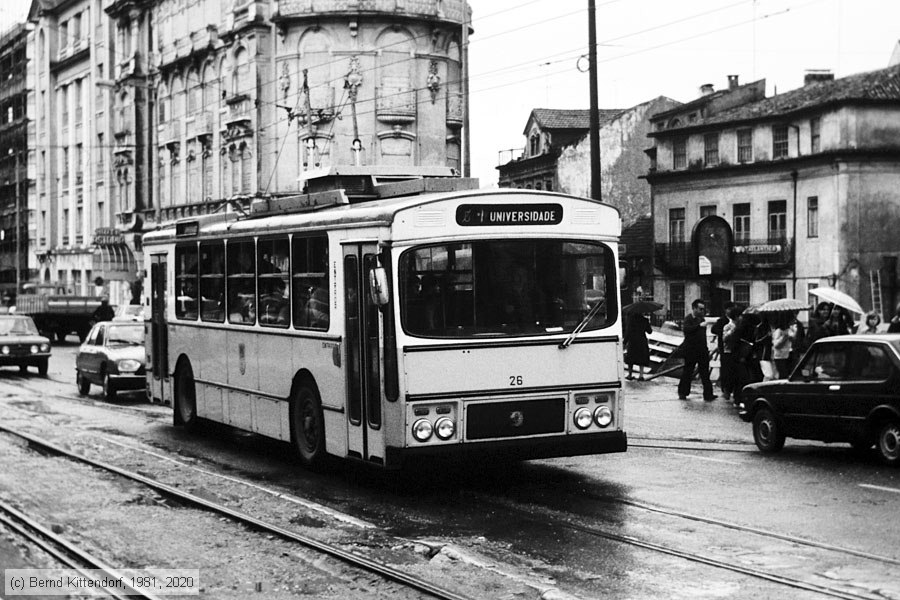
<point>516,418</point>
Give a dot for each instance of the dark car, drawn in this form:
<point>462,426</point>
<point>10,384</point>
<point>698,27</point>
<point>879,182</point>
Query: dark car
<point>845,389</point>
<point>112,356</point>
<point>21,345</point>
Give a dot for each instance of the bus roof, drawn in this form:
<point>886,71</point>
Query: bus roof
<point>371,213</point>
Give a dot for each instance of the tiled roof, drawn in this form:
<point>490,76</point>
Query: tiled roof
<point>575,118</point>
<point>875,86</point>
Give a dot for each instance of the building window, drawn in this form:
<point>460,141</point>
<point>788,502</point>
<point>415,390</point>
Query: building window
<point>707,211</point>
<point>679,153</point>
<point>812,217</point>
<point>676,301</point>
<point>777,220</point>
<point>814,125</point>
<point>745,145</point>
<point>711,149</point>
<point>676,225</point>
<point>742,294</point>
<point>548,185</point>
<point>534,147</point>
<point>810,299</point>
<point>741,223</point>
<point>779,141</point>
<point>777,291</point>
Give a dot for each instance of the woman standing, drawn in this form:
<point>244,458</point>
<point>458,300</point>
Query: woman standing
<point>637,349</point>
<point>873,320</point>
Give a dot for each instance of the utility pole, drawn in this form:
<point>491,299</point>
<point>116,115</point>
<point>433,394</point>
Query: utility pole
<point>596,191</point>
<point>465,158</point>
<point>18,240</point>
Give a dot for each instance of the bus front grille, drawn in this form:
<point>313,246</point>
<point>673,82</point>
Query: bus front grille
<point>515,419</point>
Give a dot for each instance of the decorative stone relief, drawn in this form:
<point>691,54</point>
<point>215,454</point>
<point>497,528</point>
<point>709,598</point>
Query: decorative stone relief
<point>353,79</point>
<point>433,81</point>
<point>284,82</point>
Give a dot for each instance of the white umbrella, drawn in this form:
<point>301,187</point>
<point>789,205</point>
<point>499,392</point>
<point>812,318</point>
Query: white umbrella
<point>836,297</point>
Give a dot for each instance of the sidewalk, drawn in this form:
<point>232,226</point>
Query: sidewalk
<point>653,411</point>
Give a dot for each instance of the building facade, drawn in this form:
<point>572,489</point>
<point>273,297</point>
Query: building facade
<point>71,199</point>
<point>16,152</point>
<point>763,198</point>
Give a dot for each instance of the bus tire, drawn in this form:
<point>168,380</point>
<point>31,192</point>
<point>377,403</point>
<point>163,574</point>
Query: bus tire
<point>308,425</point>
<point>185,397</point>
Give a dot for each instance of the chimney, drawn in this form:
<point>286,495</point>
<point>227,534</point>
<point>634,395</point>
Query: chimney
<point>706,89</point>
<point>817,75</point>
<point>732,82</point>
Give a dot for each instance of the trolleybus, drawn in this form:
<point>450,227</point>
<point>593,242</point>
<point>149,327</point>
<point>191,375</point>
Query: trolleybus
<point>460,324</point>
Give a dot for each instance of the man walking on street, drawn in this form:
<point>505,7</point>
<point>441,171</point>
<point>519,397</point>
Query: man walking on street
<point>696,354</point>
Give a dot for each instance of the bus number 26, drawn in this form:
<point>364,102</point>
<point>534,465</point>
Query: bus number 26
<point>515,380</point>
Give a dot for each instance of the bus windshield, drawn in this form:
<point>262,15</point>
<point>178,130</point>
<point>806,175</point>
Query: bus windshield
<point>508,287</point>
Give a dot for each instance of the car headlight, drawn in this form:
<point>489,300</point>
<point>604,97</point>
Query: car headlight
<point>5,350</point>
<point>444,428</point>
<point>34,349</point>
<point>129,366</point>
<point>422,429</point>
<point>603,416</point>
<point>45,347</point>
<point>583,418</point>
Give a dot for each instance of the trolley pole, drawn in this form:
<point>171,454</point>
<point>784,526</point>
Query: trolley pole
<point>18,240</point>
<point>596,191</point>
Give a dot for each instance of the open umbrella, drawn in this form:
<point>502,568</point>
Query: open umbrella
<point>781,305</point>
<point>641,307</point>
<point>836,297</point>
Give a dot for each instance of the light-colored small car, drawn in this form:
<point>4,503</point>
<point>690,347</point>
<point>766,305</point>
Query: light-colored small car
<point>112,356</point>
<point>21,345</point>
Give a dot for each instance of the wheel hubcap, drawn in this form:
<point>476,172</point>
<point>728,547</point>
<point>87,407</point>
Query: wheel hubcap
<point>765,431</point>
<point>890,442</point>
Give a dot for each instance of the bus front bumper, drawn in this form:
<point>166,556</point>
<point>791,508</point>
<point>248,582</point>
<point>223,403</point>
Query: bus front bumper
<point>504,450</point>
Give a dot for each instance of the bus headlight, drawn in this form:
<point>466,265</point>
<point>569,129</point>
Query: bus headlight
<point>582,418</point>
<point>129,366</point>
<point>603,416</point>
<point>444,428</point>
<point>422,430</point>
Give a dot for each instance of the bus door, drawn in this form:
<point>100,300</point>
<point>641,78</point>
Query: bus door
<point>362,342</point>
<point>159,348</point>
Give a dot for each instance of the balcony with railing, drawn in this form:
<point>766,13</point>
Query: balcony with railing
<point>200,124</point>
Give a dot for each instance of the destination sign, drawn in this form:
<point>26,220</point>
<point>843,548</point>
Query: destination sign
<point>475,215</point>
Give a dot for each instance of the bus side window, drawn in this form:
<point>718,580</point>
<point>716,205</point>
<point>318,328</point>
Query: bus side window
<point>186,282</point>
<point>273,267</point>
<point>241,276</point>
<point>309,283</point>
<point>212,282</point>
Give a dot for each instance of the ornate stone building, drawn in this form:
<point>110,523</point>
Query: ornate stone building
<point>221,101</point>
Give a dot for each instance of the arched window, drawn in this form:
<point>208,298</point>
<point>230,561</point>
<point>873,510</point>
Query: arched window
<point>210,88</point>
<point>240,78</point>
<point>316,58</point>
<point>179,108</point>
<point>164,103</point>
<point>195,92</point>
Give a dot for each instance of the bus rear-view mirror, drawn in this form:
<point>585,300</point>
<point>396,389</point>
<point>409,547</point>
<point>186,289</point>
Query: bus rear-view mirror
<point>378,286</point>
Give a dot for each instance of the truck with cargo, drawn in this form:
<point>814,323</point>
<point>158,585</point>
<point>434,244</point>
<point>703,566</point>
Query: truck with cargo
<point>56,312</point>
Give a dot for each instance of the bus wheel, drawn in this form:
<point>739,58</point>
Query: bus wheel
<point>185,397</point>
<point>308,425</point>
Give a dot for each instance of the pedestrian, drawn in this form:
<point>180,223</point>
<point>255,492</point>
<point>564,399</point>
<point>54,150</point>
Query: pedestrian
<point>762,345</point>
<point>839,321</point>
<point>637,349</point>
<point>747,369</point>
<point>696,353</point>
<point>724,328</point>
<point>894,326</point>
<point>104,312</point>
<point>817,321</point>
<point>784,332</point>
<point>870,325</point>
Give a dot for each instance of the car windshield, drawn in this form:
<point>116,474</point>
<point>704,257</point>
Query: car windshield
<point>130,335</point>
<point>509,287</point>
<point>18,326</point>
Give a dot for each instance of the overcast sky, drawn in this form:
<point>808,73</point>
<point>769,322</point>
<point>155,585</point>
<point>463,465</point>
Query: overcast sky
<point>524,53</point>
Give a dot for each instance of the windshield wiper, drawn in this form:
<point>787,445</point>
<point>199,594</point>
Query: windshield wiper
<point>580,327</point>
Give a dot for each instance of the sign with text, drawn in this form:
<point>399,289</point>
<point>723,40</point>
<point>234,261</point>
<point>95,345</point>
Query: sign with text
<point>108,236</point>
<point>475,215</point>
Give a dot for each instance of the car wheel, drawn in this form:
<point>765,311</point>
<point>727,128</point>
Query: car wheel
<point>308,426</point>
<point>767,432</point>
<point>109,388</point>
<point>185,397</point>
<point>889,443</point>
<point>43,367</point>
<point>84,386</point>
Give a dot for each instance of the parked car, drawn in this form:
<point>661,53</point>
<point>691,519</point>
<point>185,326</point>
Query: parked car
<point>845,389</point>
<point>129,312</point>
<point>22,345</point>
<point>112,356</point>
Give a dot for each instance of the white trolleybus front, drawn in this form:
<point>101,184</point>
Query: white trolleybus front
<point>467,324</point>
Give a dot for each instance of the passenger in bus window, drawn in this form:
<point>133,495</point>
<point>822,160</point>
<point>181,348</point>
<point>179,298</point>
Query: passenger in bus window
<point>317,307</point>
<point>274,308</point>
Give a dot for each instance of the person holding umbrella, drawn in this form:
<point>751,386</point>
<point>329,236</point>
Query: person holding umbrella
<point>637,349</point>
